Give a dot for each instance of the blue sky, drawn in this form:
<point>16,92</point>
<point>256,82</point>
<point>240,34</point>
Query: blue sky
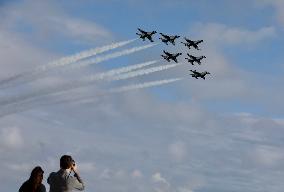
<point>221,134</point>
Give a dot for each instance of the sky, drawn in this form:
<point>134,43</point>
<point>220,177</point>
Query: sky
<point>155,128</point>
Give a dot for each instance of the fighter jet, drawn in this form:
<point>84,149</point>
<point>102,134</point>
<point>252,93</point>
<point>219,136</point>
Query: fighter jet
<point>168,38</point>
<point>144,34</point>
<point>193,59</point>
<point>170,56</point>
<point>199,74</point>
<point>190,43</point>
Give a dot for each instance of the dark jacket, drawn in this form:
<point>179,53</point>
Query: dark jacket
<point>27,187</point>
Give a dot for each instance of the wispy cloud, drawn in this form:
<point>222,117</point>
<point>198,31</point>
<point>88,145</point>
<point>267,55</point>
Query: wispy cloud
<point>53,21</point>
<point>220,34</point>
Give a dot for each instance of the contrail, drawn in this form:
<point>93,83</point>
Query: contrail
<point>62,62</point>
<point>75,84</point>
<point>20,107</point>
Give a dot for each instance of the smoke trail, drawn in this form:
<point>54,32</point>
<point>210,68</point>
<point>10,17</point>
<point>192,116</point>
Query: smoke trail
<point>144,85</point>
<point>75,84</point>
<point>119,71</point>
<point>30,75</point>
<point>143,72</point>
<point>110,56</point>
<point>20,107</point>
<point>84,54</point>
<point>133,87</point>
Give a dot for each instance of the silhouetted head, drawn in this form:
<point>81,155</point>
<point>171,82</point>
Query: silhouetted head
<point>36,176</point>
<point>206,72</point>
<point>154,32</point>
<point>66,162</point>
<point>179,53</point>
<point>204,56</point>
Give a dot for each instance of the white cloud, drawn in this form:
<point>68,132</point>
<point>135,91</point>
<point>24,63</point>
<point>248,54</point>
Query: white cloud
<point>87,167</point>
<point>267,156</point>
<point>11,138</point>
<point>220,34</point>
<point>136,174</point>
<point>106,174</point>
<point>178,150</point>
<point>278,5</point>
<point>21,167</point>
<point>157,178</point>
<point>53,22</point>
<point>18,55</point>
<point>247,118</point>
<point>183,189</point>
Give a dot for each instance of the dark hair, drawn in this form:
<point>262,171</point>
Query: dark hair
<point>66,161</point>
<point>35,172</point>
<point>34,182</point>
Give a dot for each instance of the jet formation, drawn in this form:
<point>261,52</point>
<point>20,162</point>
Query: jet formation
<point>168,38</point>
<point>190,43</point>
<point>173,56</point>
<point>197,74</point>
<point>193,59</point>
<point>144,34</point>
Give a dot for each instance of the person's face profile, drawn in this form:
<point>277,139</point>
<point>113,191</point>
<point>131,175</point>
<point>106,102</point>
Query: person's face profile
<point>39,177</point>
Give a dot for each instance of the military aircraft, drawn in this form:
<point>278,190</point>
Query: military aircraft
<point>171,56</point>
<point>193,59</point>
<point>144,34</point>
<point>197,74</point>
<point>190,43</point>
<point>168,38</point>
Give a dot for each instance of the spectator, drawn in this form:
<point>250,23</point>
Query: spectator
<point>62,181</point>
<point>33,184</point>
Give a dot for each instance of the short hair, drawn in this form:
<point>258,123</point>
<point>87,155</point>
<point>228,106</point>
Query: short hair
<point>66,161</point>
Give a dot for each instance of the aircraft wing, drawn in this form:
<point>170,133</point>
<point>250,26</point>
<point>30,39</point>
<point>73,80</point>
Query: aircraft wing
<point>141,30</point>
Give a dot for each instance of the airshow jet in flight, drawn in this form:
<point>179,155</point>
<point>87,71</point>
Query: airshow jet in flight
<point>168,38</point>
<point>193,59</point>
<point>170,56</point>
<point>144,34</point>
<point>197,74</point>
<point>190,43</point>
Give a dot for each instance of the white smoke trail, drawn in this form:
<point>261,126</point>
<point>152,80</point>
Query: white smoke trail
<point>110,56</point>
<point>75,84</point>
<point>20,107</point>
<point>144,85</point>
<point>144,72</point>
<point>84,54</point>
<point>119,71</point>
<point>31,75</point>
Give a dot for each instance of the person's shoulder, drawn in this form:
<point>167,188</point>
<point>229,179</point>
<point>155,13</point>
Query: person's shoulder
<point>42,188</point>
<point>24,186</point>
<point>51,175</point>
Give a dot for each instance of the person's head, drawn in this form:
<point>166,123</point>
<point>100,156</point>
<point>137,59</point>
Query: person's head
<point>66,162</point>
<point>36,175</point>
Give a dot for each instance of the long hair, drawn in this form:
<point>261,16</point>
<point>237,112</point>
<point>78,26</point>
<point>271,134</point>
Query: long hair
<point>34,180</point>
